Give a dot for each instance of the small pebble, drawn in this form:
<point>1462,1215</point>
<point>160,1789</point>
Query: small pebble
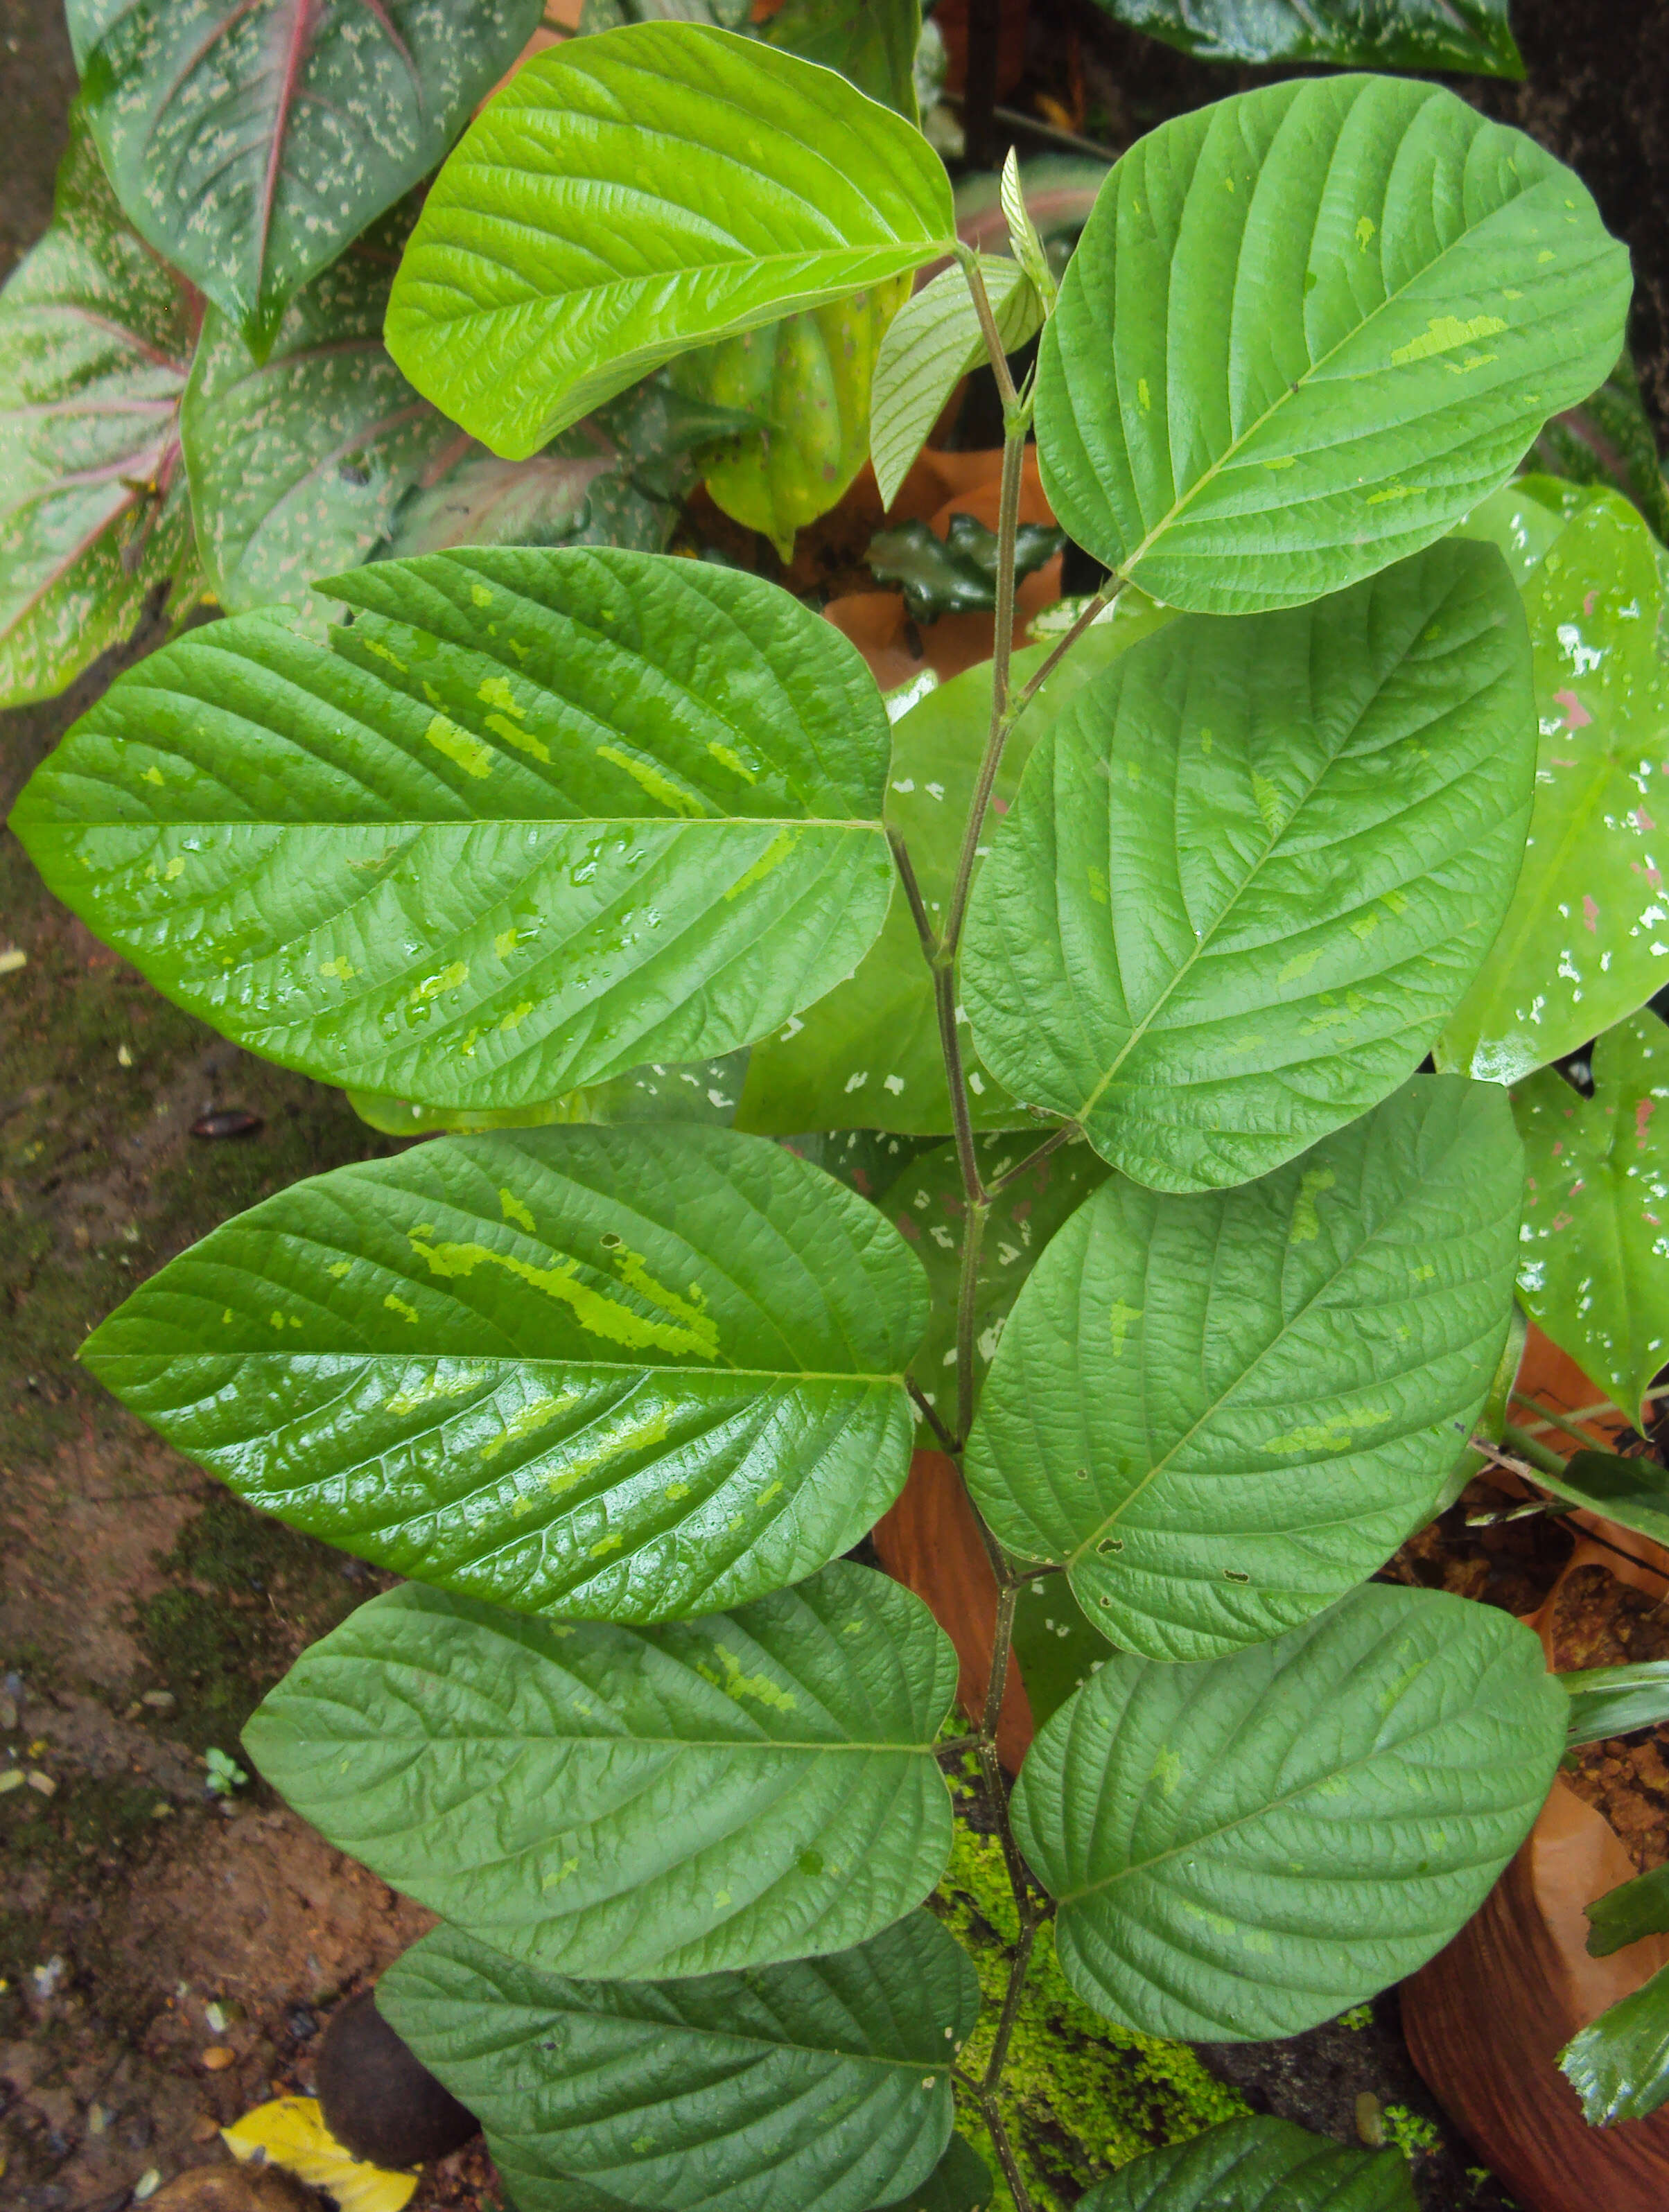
<point>1370,2121</point>
<point>226,1122</point>
<point>43,1783</point>
<point>147,2186</point>
<point>160,1701</point>
<point>205,2128</point>
<point>8,1714</point>
<point>302,2023</point>
<point>11,1779</point>
<point>161,1810</point>
<point>216,2058</point>
<point>46,1978</point>
<point>123,1056</point>
<point>97,2120</point>
<point>215,2018</point>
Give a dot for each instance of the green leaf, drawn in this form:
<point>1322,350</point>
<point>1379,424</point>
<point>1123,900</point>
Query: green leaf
<point>1242,1848</point>
<point>1607,1701</point>
<point>1582,944</point>
<point>807,378</point>
<point>1517,522</point>
<point>955,574</point>
<point>1594,1268</point>
<point>1378,35</point>
<point>932,343</point>
<point>1609,439</point>
<point>629,196</point>
<point>926,1202</point>
<point>1626,1913</point>
<point>95,342</point>
<point>535,819</point>
<point>631,1802</point>
<point>1491,1422</point>
<point>1634,1491</point>
<point>1059,191</point>
<point>960,2183</point>
<point>1057,1648</point>
<point>1619,2064</point>
<point>1268,855</point>
<point>298,460</point>
<point>1025,241</point>
<point>1305,329</point>
<point>815,2083</point>
<point>1220,1411</point>
<point>627,1374</point>
<point>868,1053</point>
<point>249,143</point>
<point>706,1092</point>
<point>1258,2165</point>
<point>871,42</point>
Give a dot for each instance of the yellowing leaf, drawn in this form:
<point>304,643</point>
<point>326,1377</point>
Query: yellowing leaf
<point>291,2132</point>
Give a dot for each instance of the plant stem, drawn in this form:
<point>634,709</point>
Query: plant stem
<point>924,1406</point>
<point>1532,1449</point>
<point>976,1213</point>
<point>1568,1423</point>
<point>912,891</point>
<point>1064,1135</point>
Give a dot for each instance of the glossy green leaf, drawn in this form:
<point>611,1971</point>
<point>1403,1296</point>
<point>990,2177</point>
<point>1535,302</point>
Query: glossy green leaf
<point>1607,1701</point>
<point>1517,522</point>
<point>1491,1423</point>
<point>1594,1268</point>
<point>927,1206</point>
<point>1252,869</point>
<point>1305,329</point>
<point>1055,1647</point>
<point>249,140</point>
<point>1583,943</point>
<point>1619,2064</point>
<point>813,2084</point>
<point>600,1801</point>
<point>1634,1491</point>
<point>1609,439</point>
<point>1379,35</point>
<point>1059,191</point>
<point>629,196</point>
<point>1244,1848</point>
<point>1258,2165</point>
<point>933,342</point>
<point>95,341</point>
<point>960,2183</point>
<point>807,378</point>
<point>955,574</point>
<point>299,461</point>
<point>871,42</point>
<point>1025,240</point>
<point>1626,1913</point>
<point>623,1374</point>
<point>535,819</point>
<point>1220,1412</point>
<point>867,1055</point>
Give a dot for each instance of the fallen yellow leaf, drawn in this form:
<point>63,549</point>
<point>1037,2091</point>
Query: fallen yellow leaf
<point>291,2132</point>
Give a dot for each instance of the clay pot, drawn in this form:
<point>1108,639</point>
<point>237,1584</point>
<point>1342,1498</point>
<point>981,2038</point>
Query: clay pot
<point>376,2098</point>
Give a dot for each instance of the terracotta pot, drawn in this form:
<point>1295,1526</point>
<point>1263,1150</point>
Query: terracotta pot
<point>929,1543</point>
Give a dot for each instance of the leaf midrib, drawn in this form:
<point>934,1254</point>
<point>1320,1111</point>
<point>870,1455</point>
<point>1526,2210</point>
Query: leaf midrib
<point>869,1378</point>
<point>414,825</point>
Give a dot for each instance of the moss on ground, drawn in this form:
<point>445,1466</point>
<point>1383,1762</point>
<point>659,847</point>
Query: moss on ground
<point>1081,2097</point>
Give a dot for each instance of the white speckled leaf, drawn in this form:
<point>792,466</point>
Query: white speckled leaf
<point>95,342</point>
<point>1252,870</point>
<point>623,1374</point>
<point>1382,34</point>
<point>249,140</point>
<point>601,1800</point>
<point>1305,329</point>
<point>1585,939</point>
<point>867,1054</point>
<point>1243,1848</point>
<point>818,2084</point>
<point>1220,1411</point>
<point>1594,1261</point>
<point>537,817</point>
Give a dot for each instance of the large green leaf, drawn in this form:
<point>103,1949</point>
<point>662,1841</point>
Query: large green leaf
<point>1258,2165</point>
<point>625,1375</point>
<point>807,379</point>
<point>927,1203</point>
<point>1619,2064</point>
<point>1583,942</point>
<point>95,341</point>
<point>600,1801</point>
<point>866,1056</point>
<point>1305,329</point>
<point>298,460</point>
<point>249,140</point>
<point>1382,34</point>
<point>535,819</point>
<point>934,342</point>
<point>1242,1848</point>
<point>819,2084</point>
<point>960,2183</point>
<point>1594,1269</point>
<point>1609,439</point>
<point>1220,1411</point>
<point>1252,868</point>
<point>871,42</point>
<point>629,196</point>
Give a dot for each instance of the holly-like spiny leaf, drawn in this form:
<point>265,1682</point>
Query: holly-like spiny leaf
<point>622,1375</point>
<point>634,1803</point>
<point>1306,329</point>
<point>535,819</point>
